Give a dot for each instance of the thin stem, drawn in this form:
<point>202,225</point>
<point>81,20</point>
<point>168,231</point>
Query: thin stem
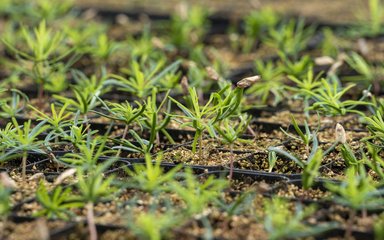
<point>24,164</point>
<point>231,164</point>
<point>91,221</point>
<point>348,229</point>
<point>253,133</point>
<point>123,137</point>
<point>201,146</point>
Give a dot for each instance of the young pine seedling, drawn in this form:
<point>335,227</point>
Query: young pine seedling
<point>310,166</point>
<point>44,49</point>
<point>13,105</point>
<point>144,77</point>
<point>93,187</point>
<point>123,112</point>
<point>197,195</point>
<point>306,137</point>
<point>154,225</point>
<point>151,177</point>
<point>229,132</point>
<point>357,191</point>
<point>21,140</point>
<point>58,120</point>
<point>283,223</point>
<point>57,204</point>
<point>304,85</point>
<point>221,105</point>
<point>328,99</point>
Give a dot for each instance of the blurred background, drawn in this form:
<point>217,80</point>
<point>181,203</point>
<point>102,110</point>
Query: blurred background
<point>337,11</point>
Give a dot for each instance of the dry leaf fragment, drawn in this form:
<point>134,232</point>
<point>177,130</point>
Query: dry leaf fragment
<point>248,81</point>
<point>341,136</point>
<point>7,181</point>
<point>64,175</point>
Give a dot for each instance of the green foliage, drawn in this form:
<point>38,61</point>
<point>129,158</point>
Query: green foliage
<point>310,166</point>
<point>5,201</point>
<point>92,184</point>
<point>230,130</point>
<point>370,23</point>
<point>124,112</point>
<point>239,205</point>
<point>329,99</point>
<point>357,191</point>
<point>271,83</point>
<point>188,26</point>
<point>45,49</point>
<point>85,92</point>
<point>283,223</point>
<point>256,23</point>
<point>13,106</point>
<point>367,74</point>
<point>290,37</point>
<point>330,44</point>
<point>306,137</point>
<point>375,125</point>
<point>217,108</point>
<point>375,162</point>
<point>153,225</point>
<point>146,76</point>
<point>151,176</point>
<point>304,85</point>
<point>296,67</point>
<point>197,195</point>
<point>58,204</point>
<point>88,153</point>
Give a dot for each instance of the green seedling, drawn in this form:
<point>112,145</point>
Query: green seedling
<point>13,105</point>
<point>86,94</point>
<point>370,23</point>
<point>255,24</point>
<point>188,26</point>
<point>230,132</point>
<point>93,187</point>
<point>150,120</point>
<point>357,191</point>
<point>103,49</point>
<point>89,153</point>
<point>123,112</point>
<point>151,177</point>
<point>57,120</point>
<point>283,223</point>
<point>306,137</point>
<point>144,77</point>
<point>376,162</point>
<point>22,139</point>
<point>330,44</point>
<point>310,166</point>
<point>368,74</point>
<point>290,38</point>
<point>375,125</point>
<point>271,82</point>
<point>154,225</point>
<point>58,204</point>
<point>241,204</point>
<point>304,85</point>
<point>197,195</point>
<point>297,67</point>
<point>328,99</point>
<point>44,49</point>
<point>272,158</point>
<point>217,108</point>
